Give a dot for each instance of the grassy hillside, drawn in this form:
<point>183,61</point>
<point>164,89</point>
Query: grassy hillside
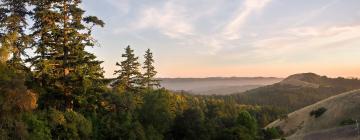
<point>322,118</point>
<point>297,91</point>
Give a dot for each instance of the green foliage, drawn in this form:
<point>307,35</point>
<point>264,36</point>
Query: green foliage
<point>37,127</point>
<point>69,125</point>
<point>347,122</point>
<point>271,133</point>
<point>190,125</point>
<point>149,76</point>
<point>12,31</point>
<point>246,120</point>
<point>235,133</point>
<point>61,63</point>
<point>14,100</point>
<point>129,76</point>
<point>157,111</point>
<point>318,112</point>
<point>74,102</point>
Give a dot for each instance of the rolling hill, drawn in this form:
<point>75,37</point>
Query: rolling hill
<point>297,91</point>
<point>336,120</point>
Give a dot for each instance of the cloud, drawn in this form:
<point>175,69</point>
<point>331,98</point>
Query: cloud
<point>180,20</point>
<point>307,40</point>
<point>232,29</point>
<point>228,35</point>
<point>122,6</point>
<point>315,13</point>
<point>169,20</point>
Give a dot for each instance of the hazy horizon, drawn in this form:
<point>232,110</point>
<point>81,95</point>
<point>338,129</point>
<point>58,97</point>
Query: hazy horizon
<point>248,38</point>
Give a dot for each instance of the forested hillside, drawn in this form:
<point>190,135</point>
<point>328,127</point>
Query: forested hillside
<point>297,91</point>
<point>59,92</point>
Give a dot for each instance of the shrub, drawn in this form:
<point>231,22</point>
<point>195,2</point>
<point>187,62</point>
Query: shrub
<point>317,113</point>
<point>347,122</point>
<point>69,125</point>
<point>37,127</point>
<point>271,133</point>
<point>284,117</point>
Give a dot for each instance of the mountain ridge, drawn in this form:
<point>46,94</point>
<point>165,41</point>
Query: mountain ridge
<point>297,91</point>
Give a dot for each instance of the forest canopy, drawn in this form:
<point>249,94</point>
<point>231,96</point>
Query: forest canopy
<point>59,91</point>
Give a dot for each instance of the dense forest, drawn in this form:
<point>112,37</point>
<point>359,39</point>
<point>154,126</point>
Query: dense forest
<point>58,91</point>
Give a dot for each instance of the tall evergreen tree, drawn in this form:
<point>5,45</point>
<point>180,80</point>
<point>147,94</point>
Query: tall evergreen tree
<point>62,35</point>
<point>13,24</point>
<point>129,75</point>
<point>149,76</point>
<point>44,27</point>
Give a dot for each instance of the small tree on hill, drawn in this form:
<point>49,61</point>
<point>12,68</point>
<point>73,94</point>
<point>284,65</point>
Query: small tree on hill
<point>149,76</point>
<point>129,76</point>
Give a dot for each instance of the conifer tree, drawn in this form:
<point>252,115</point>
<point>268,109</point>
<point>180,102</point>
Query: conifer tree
<point>129,76</point>
<point>44,27</point>
<point>13,24</point>
<point>62,34</point>
<point>149,76</point>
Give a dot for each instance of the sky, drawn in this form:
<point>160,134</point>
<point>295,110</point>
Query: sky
<point>208,38</point>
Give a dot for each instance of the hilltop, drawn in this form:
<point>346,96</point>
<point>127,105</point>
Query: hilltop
<point>297,91</point>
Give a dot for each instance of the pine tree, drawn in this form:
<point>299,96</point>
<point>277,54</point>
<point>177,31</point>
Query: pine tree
<point>13,24</point>
<point>44,27</point>
<point>62,34</point>
<point>149,76</point>
<point>129,76</point>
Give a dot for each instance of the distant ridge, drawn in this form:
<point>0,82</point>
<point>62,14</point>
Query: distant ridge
<point>216,85</point>
<point>216,78</point>
<point>297,91</point>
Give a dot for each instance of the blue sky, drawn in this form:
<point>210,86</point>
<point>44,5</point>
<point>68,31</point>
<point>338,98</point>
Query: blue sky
<point>201,38</point>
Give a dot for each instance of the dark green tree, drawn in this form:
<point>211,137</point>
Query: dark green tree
<point>190,125</point>
<point>62,33</point>
<point>13,14</point>
<point>157,113</point>
<point>129,76</point>
<point>44,28</point>
<point>149,76</point>
<point>249,123</point>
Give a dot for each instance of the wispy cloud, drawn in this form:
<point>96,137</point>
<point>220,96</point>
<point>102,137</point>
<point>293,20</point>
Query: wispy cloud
<point>178,21</point>
<point>315,13</point>
<point>308,40</point>
<point>169,20</point>
<point>232,30</point>
<point>216,33</point>
<point>122,6</point>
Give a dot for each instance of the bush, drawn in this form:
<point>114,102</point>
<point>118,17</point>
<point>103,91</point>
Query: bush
<point>271,133</point>
<point>69,125</point>
<point>284,117</point>
<point>37,127</point>
<point>317,113</point>
<point>347,122</point>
